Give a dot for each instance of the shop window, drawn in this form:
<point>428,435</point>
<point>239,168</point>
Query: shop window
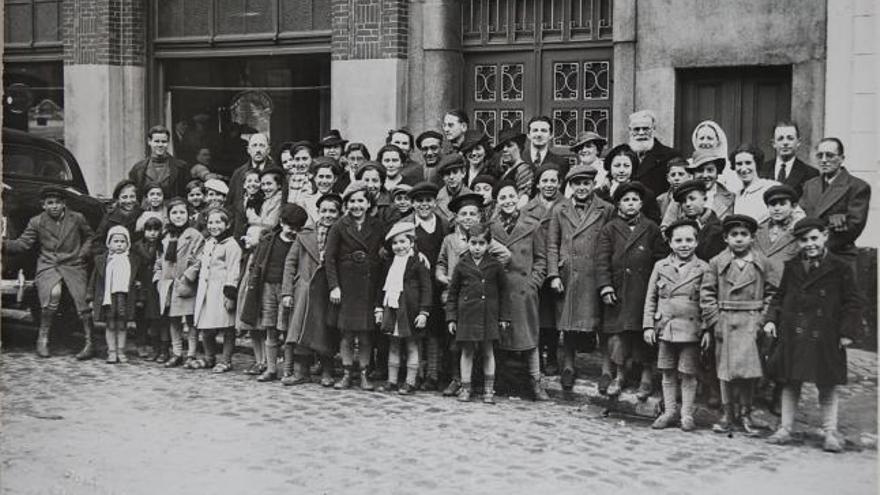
<point>33,98</point>
<point>214,102</point>
<point>32,22</point>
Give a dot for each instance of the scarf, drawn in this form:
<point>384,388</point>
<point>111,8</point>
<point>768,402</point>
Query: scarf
<point>508,221</point>
<point>394,281</point>
<point>631,221</point>
<point>581,207</point>
<point>117,274</point>
<point>174,232</point>
<point>321,232</point>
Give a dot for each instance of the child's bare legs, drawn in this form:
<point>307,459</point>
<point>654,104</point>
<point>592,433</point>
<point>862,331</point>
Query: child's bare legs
<point>412,362</point>
<point>466,370</point>
<point>688,396</point>
<point>110,337</point>
<point>193,342</point>
<point>365,351</point>
<point>488,354</point>
<point>228,344</point>
<point>209,342</point>
<point>534,358</point>
<point>617,352</point>
<point>258,341</point>
<point>393,362</point>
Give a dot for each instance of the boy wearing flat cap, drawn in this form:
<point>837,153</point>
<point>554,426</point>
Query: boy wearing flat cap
<point>452,171</point>
<point>691,197</point>
<point>775,238</point>
<point>629,245</point>
<point>814,316</point>
<point>63,239</point>
<point>734,296</point>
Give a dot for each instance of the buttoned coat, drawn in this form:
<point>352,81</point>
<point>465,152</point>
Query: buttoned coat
<point>176,293</point>
<point>847,195</point>
<point>477,299</point>
<point>777,252</point>
<point>95,290</point>
<point>525,276</point>
<point>352,261</point>
<point>672,304</point>
<point>812,311</point>
<point>218,266</point>
<point>800,173</point>
<point>455,246</point>
<point>734,302</point>
<point>312,322</point>
<point>572,247</point>
<point>251,297</point>
<point>624,261</point>
<point>652,167</point>
<point>547,297</point>
<point>63,247</point>
<point>416,297</point>
<point>145,254</point>
<point>722,205</point>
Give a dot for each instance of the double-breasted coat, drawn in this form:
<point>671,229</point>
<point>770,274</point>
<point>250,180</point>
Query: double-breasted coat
<point>733,301</point>
<point>64,246</point>
<point>218,268</point>
<point>312,322</point>
<point>572,245</point>
<point>538,208</point>
<point>672,304</point>
<point>812,310</point>
<point>778,251</point>
<point>624,261</point>
<point>525,276</point>
<point>250,292</point>
<point>95,289</point>
<point>175,291</point>
<point>145,254</point>
<point>477,299</point>
<point>416,297</point>
<point>846,195</point>
<point>352,262</point>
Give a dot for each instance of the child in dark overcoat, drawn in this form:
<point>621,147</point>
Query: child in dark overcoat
<point>672,321</point>
<point>148,317</point>
<point>815,315</point>
<point>113,292</point>
<point>629,244</point>
<point>477,308</point>
<point>734,296</point>
<point>403,305</point>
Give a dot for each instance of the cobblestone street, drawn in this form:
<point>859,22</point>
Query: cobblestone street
<point>94,428</point>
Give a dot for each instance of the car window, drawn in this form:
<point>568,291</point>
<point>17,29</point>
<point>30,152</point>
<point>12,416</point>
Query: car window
<point>37,163</point>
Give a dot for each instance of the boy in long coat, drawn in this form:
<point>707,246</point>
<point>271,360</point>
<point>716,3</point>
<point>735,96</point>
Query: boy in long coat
<point>629,244</point>
<point>304,289</point>
<point>774,238</point>
<point>523,236</point>
<point>734,296</point>
<point>63,237</point>
<point>572,244</point>
<point>815,315</point>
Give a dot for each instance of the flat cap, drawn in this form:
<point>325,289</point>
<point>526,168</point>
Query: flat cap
<point>737,220</point>
<point>807,224</point>
<point>686,188</point>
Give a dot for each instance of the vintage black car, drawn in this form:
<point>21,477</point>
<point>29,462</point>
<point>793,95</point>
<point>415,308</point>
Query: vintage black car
<point>29,164</point>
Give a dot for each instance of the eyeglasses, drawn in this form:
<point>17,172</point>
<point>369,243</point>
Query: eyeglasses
<point>825,154</point>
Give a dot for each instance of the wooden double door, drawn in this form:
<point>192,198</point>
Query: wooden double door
<point>504,89</point>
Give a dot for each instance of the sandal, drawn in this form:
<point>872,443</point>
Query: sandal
<point>222,367</point>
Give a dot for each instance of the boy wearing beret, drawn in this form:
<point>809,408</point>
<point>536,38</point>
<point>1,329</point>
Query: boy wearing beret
<point>691,199</point>
<point>815,314</point>
<point>63,239</point>
<point>671,321</point>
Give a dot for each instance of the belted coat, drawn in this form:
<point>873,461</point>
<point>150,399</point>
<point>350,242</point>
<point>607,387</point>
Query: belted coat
<point>572,247</point>
<point>672,304</point>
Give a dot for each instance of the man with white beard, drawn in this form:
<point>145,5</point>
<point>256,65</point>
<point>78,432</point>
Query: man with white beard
<point>653,155</point>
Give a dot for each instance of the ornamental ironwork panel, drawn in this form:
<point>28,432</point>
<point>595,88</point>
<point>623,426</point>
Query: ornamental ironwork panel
<point>596,120</point>
<point>485,122</point>
<point>512,82</point>
<point>565,81</point>
<point>499,22</point>
<point>512,119</point>
<point>565,123</point>
<point>485,82</point>
<point>596,80</point>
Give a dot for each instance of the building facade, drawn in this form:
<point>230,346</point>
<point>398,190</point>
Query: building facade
<point>97,73</point>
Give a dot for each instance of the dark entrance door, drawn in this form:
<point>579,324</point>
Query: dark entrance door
<point>745,101</point>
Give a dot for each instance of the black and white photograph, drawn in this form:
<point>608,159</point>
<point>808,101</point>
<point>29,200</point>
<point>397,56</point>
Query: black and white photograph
<point>439,247</point>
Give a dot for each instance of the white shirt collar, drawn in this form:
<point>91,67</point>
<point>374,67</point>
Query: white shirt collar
<point>428,226</point>
<point>788,165</point>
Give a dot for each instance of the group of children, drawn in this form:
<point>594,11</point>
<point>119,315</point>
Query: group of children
<point>428,285</point>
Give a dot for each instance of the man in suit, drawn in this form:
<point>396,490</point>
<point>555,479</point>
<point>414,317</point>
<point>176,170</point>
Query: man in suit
<point>537,151</point>
<point>455,124</point>
<point>653,155</point>
<point>786,168</point>
<point>838,198</point>
<point>258,151</point>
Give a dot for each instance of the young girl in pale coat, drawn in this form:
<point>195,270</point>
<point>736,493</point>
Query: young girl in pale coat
<point>178,248</point>
<point>217,271</point>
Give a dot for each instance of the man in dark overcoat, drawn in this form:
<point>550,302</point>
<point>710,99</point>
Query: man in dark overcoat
<point>653,155</point>
<point>160,167</point>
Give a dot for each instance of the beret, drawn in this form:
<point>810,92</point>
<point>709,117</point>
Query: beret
<point>294,215</point>
<point>354,187</point>
<point>681,222</point>
<point>336,198</point>
<point>581,171</point>
<point>449,163</point>
<point>703,156</point>
<point>807,224</point>
<point>272,170</point>
<point>465,199</point>
<point>501,185</point>
<point>371,165</point>
<point>217,185</point>
<point>738,220</point>
<point>545,167</point>
<point>428,134</point>
<point>400,189</point>
<point>780,191</point>
<point>424,188</point>
<point>685,188</point>
<point>629,187</point>
<point>484,179</point>
<point>400,228</point>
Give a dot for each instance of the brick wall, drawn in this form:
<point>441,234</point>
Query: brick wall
<point>111,32</point>
<point>370,29</point>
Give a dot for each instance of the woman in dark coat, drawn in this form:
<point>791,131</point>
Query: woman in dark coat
<point>124,211</point>
<point>523,235</point>
<point>312,325</point>
<point>353,271</point>
<point>621,165</point>
<point>629,245</point>
<point>815,313</point>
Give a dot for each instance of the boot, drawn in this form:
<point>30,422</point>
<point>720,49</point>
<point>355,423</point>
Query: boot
<point>289,364</point>
<point>299,374</point>
<point>538,392</point>
<point>46,318</point>
<point>109,336</point>
<point>723,424</point>
<point>88,350</point>
<point>365,382</point>
<point>121,335</point>
<point>162,356</point>
<point>345,381</point>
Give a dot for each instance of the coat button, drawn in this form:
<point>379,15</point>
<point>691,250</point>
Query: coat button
<point>483,297</point>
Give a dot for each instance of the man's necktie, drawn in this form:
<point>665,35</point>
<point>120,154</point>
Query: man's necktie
<point>781,176</point>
